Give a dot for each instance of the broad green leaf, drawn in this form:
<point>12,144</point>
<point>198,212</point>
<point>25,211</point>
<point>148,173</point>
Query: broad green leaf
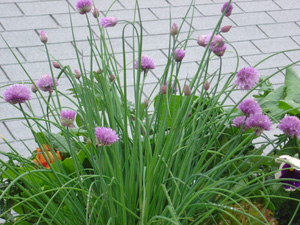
<point>292,106</point>
<point>68,163</point>
<point>292,83</point>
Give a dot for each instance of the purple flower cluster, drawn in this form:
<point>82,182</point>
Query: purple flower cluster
<point>290,125</point>
<point>146,63</point>
<point>217,44</point>
<point>247,78</point>
<point>179,55</point>
<point>229,9</point>
<point>84,6</point>
<point>16,93</point>
<point>252,118</point>
<point>108,22</point>
<point>67,118</point>
<point>45,83</point>
<point>105,136</point>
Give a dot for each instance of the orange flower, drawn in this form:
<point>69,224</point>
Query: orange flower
<point>40,159</point>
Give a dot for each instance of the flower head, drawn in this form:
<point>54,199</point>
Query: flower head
<point>174,29</point>
<point>45,83</point>
<point>40,159</point>
<point>290,169</point>
<point>247,78</point>
<point>95,13</point>
<point>216,42</point>
<point>67,118</point>
<point>17,93</point>
<point>249,106</point>
<point>229,9</point>
<point>77,74</point>
<point>146,63</point>
<point>226,28</point>
<point>290,125</point>
<point>187,90</point>
<point>105,136</point>
<point>108,22</point>
<point>179,55</point>
<point>220,51</point>
<point>201,41</point>
<point>56,65</point>
<point>259,123</point>
<point>84,6</point>
<point>239,121</point>
<point>43,37</point>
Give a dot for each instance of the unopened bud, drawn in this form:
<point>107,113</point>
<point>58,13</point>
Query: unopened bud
<point>174,29</point>
<point>206,85</point>
<point>33,88</point>
<point>189,114</point>
<point>112,78</point>
<point>146,102</point>
<point>201,40</point>
<point>226,28</point>
<point>163,89</point>
<point>43,37</point>
<point>96,12</point>
<point>56,65</point>
<point>187,90</point>
<point>88,141</point>
<point>77,74</point>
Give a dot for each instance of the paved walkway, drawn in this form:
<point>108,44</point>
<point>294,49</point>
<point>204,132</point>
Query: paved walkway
<point>260,27</point>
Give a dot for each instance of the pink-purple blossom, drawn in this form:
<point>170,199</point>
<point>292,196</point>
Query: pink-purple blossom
<point>228,10</point>
<point>220,51</point>
<point>259,123</point>
<point>95,13</point>
<point>216,42</point>
<point>67,118</point>
<point>179,55</point>
<point>247,78</point>
<point>16,93</point>
<point>226,28</point>
<point>84,6</point>
<point>239,121</point>
<point>108,22</point>
<point>105,136</point>
<point>201,41</point>
<point>43,37</point>
<point>174,29</point>
<point>249,107</point>
<point>290,125</point>
<point>45,83</point>
<point>146,63</point>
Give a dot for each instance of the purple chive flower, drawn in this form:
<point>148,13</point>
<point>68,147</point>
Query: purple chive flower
<point>105,136</point>
<point>290,125</point>
<point>17,93</point>
<point>226,28</point>
<point>220,51</point>
<point>216,43</point>
<point>290,169</point>
<point>43,37</point>
<point>84,6</point>
<point>247,78</point>
<point>108,22</point>
<point>239,121</point>
<point>146,63</point>
<point>67,118</point>
<point>201,40</point>
<point>249,107</point>
<point>259,123</point>
<point>174,29</point>
<point>179,55</point>
<point>96,13</point>
<point>45,83</point>
<point>229,9</point>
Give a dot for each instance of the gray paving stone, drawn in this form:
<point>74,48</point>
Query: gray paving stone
<point>280,29</point>
<point>19,129</point>
<point>244,34</point>
<point>229,65</point>
<point>20,39</point>
<point>163,26</point>
<point>11,1</point>
<point>243,48</point>
<point>278,78</point>
<point>251,18</point>
<point>215,9</point>
<point>290,4</point>
<point>13,111</point>
<point>296,39</point>
<point>258,7</point>
<point>1,27</point>
<point>182,3</point>
<point>77,19</point>
<point>19,147</point>
<point>117,31</point>
<point>128,14</point>
<point>153,42</point>
<point>209,22</point>
<point>4,133</point>
<point>3,78</point>
<point>144,4</point>
<point>102,5</point>
<point>9,10</point>
<point>176,12</point>
<point>294,55</point>
<point>58,51</point>
<point>44,8</point>
<point>6,57</point>
<point>276,61</point>
<point>275,44</point>
<point>65,34</point>
<point>286,16</point>
<point>28,23</point>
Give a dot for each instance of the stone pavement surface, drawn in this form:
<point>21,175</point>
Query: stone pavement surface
<point>259,28</point>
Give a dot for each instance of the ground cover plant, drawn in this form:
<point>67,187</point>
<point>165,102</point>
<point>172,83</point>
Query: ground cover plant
<point>182,156</point>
